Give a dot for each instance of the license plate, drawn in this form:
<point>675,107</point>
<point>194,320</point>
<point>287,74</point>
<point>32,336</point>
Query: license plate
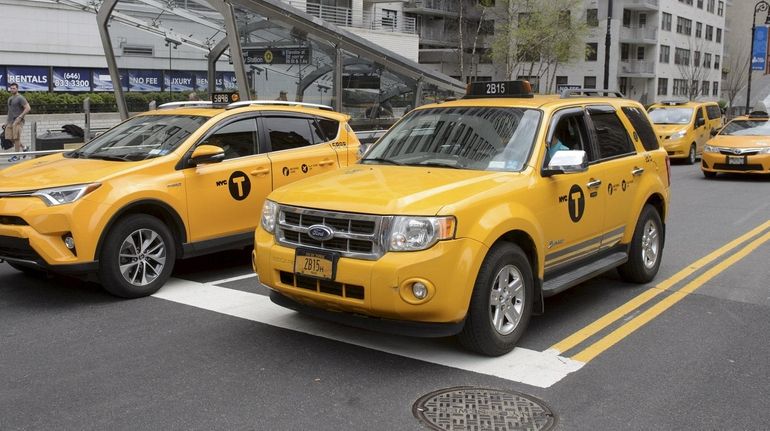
<point>736,160</point>
<point>313,263</point>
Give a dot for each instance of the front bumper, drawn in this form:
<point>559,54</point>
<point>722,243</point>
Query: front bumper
<point>718,162</point>
<point>381,288</point>
<point>679,149</point>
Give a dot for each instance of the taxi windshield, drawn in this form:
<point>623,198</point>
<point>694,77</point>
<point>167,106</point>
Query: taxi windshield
<point>747,128</point>
<point>140,138</point>
<point>671,115</point>
<point>476,138</point>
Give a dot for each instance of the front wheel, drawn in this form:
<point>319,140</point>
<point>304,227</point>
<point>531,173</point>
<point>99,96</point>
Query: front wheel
<point>692,156</point>
<point>501,303</point>
<point>646,248</point>
<point>137,257</point>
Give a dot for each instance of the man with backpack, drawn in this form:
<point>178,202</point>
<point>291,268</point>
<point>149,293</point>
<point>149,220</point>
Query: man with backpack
<point>18,108</point>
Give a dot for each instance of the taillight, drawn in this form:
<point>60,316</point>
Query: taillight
<point>668,170</point>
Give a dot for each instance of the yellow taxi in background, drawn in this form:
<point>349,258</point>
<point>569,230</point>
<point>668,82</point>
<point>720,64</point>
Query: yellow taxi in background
<point>177,182</point>
<point>683,127</point>
<point>742,146</point>
<point>467,213</point>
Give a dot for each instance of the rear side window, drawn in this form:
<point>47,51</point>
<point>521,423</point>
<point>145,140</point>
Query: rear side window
<point>288,132</point>
<point>611,134</point>
<point>329,128</point>
<point>643,127</point>
<point>713,112</point>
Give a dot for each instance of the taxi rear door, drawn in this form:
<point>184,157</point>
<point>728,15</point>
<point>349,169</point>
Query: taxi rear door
<point>296,150</point>
<point>701,129</point>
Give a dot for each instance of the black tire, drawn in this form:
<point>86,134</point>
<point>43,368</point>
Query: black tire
<point>708,174</point>
<point>483,333</point>
<point>144,270</point>
<point>692,156</point>
<point>646,248</point>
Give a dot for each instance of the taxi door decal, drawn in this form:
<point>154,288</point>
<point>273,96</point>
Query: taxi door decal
<point>577,203</point>
<point>239,185</point>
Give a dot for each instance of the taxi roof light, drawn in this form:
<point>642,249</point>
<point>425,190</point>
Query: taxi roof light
<point>492,89</point>
<point>673,102</point>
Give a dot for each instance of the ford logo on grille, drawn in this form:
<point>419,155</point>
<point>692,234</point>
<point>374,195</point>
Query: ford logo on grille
<point>320,232</point>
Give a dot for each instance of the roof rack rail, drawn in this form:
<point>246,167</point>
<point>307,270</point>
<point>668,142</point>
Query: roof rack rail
<point>189,103</point>
<point>278,103</point>
<point>569,92</point>
<point>677,101</point>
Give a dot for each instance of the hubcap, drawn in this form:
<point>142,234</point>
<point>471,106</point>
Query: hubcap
<point>650,245</point>
<point>506,300</point>
<point>142,257</point>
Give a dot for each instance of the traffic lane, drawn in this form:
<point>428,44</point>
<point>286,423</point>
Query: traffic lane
<point>746,281</point>
<point>152,364</point>
<point>694,367</point>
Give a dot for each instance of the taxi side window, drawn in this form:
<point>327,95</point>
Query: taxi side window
<point>569,133</point>
<point>642,126</point>
<point>698,116</point>
<point>288,132</point>
<point>238,138</point>
<point>611,135</point>
<point>713,112</point>
<point>329,128</point>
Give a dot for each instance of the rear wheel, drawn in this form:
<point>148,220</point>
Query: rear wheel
<point>646,248</point>
<point>501,304</point>
<point>137,257</point>
<point>692,156</point>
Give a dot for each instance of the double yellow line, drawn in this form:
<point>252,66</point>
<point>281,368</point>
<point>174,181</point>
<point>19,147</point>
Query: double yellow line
<point>626,329</point>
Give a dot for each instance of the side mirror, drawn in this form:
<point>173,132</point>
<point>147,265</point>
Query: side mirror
<point>205,154</point>
<point>566,162</point>
<point>700,122</point>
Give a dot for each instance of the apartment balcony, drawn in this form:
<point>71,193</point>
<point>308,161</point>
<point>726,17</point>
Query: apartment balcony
<point>439,37</point>
<point>442,8</point>
<point>637,69</point>
<point>345,17</point>
<point>639,35</point>
<point>641,5</point>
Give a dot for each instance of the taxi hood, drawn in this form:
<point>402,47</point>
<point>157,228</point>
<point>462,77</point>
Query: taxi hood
<point>385,190</point>
<point>55,171</point>
<point>735,141</point>
<point>667,129</point>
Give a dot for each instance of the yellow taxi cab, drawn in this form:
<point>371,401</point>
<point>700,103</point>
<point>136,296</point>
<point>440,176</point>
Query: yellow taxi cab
<point>742,146</point>
<point>683,127</point>
<point>181,181</point>
<point>467,213</point>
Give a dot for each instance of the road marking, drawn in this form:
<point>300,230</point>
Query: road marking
<point>644,297</point>
<point>627,329</point>
<point>228,280</point>
<point>540,369</point>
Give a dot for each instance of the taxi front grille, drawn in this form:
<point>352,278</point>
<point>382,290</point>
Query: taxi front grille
<point>17,248</point>
<point>356,236</point>
<point>12,220</point>
<point>730,152</point>
<point>323,286</point>
<point>746,167</point>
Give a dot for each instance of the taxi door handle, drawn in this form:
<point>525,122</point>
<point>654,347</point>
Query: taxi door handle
<point>637,171</point>
<point>326,162</point>
<point>260,172</point>
<point>594,184</point>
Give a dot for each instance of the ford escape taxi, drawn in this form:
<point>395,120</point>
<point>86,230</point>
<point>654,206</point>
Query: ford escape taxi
<point>167,184</point>
<point>742,146</point>
<point>684,127</point>
<point>467,213</point>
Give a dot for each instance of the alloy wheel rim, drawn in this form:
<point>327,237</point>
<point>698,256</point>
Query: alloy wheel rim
<point>650,245</point>
<point>142,257</point>
<point>506,300</point>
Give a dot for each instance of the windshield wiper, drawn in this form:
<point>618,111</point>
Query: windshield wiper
<point>77,154</point>
<point>436,165</point>
<point>108,157</point>
<point>377,159</point>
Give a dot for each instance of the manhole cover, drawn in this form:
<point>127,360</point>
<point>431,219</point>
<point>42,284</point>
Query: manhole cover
<point>468,408</point>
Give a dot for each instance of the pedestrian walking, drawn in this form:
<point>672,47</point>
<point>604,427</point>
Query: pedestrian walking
<point>18,108</point>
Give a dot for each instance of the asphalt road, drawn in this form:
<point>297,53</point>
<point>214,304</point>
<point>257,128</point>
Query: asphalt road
<point>210,352</point>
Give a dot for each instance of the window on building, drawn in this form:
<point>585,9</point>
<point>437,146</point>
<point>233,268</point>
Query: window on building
<point>487,27</point>
<point>592,17</point>
<point>665,53</point>
<point>642,20</point>
<point>683,26</point>
<point>710,6</point>
<point>389,18</point>
<point>665,21</point>
<point>623,85</point>
<point>709,32</point>
<point>624,51</point>
<point>682,56</point>
<point>707,60</point>
<point>680,87</point>
<point>719,35</point>
<point>716,61</point>
<point>526,54</point>
<point>698,29</point>
<point>561,80</point>
<point>589,82</point>
<point>694,88</point>
<point>565,18</point>
<point>696,57</point>
<point>704,89</point>
<point>640,53</point>
<point>592,49</point>
<point>721,8</point>
<point>523,18</point>
<point>626,18</point>
<point>662,86</point>
<point>715,89</point>
<point>700,4</point>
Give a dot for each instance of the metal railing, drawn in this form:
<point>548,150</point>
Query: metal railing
<point>647,3</point>
<point>637,67</point>
<point>452,6</point>
<point>346,17</point>
<point>634,34</point>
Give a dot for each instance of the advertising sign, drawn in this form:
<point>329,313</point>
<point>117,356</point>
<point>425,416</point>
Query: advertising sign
<point>289,55</point>
<point>101,80</point>
<point>71,79</point>
<point>201,81</point>
<point>29,78</point>
<point>226,81</point>
<point>145,80</point>
<point>760,49</point>
<point>180,81</point>
<point>3,81</point>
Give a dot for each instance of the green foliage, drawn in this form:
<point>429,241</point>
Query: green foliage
<point>48,103</point>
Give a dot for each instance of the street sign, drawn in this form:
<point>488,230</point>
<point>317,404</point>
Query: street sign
<point>289,55</point>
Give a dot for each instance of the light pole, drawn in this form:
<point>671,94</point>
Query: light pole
<point>761,6</point>
<point>170,43</point>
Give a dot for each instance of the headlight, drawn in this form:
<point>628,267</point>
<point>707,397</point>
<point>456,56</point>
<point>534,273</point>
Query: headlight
<point>678,135</point>
<point>269,215</point>
<point>420,233</point>
<point>710,149</point>
<point>764,150</point>
<point>65,195</point>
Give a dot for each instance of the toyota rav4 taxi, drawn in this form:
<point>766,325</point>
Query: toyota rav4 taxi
<point>163,185</point>
<point>467,213</point>
<point>742,146</point>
